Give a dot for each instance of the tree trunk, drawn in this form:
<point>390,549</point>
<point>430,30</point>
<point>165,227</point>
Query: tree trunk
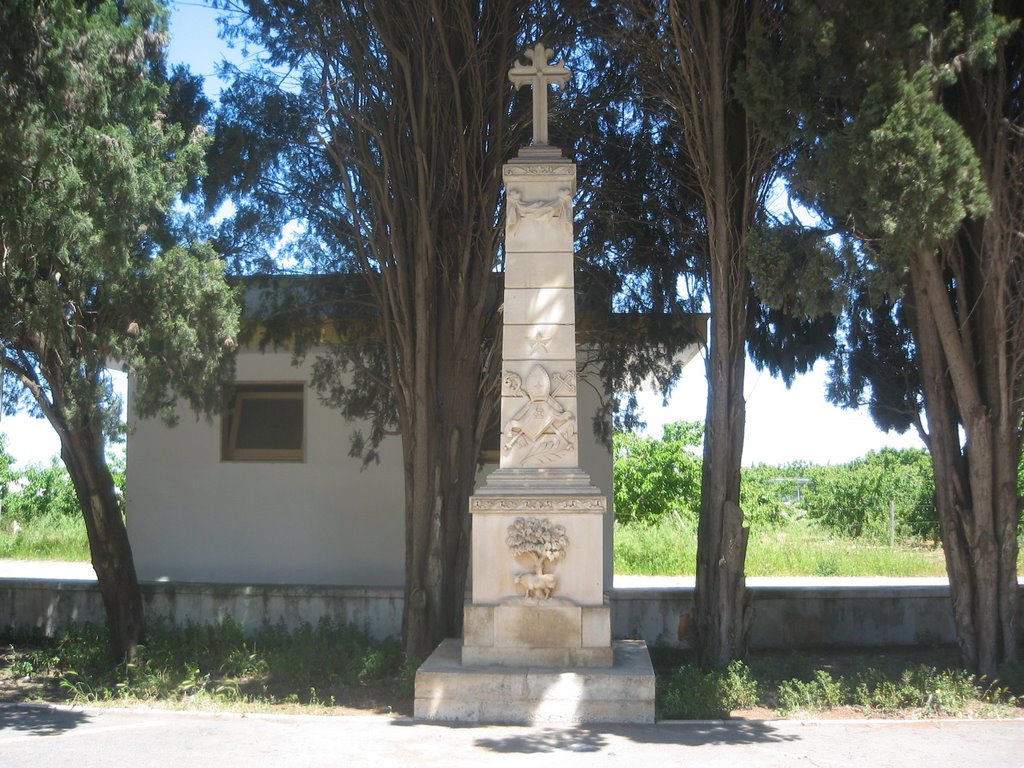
<point>968,321</point>
<point>441,453</point>
<point>975,480</point>
<point>721,601</point>
<point>82,451</point>
<point>731,167</point>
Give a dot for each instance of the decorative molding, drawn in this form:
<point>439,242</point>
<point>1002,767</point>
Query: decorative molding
<point>538,504</point>
<point>557,172</point>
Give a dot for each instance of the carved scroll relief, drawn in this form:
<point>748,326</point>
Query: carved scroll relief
<point>539,542</point>
<point>542,430</point>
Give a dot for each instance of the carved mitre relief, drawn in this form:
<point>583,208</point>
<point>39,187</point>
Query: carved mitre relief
<point>542,430</point>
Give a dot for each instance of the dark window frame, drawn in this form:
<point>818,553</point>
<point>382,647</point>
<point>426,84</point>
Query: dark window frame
<point>231,422</point>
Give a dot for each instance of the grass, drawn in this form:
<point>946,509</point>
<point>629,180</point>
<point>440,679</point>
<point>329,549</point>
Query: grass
<point>798,548</point>
<point>332,668</point>
<point>218,666</point>
<point>667,548</point>
<point>50,536</point>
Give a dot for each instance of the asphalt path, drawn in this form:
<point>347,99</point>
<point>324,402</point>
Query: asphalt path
<point>70,736</point>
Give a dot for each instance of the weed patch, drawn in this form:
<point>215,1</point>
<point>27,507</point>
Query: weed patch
<point>321,665</point>
<point>900,686</point>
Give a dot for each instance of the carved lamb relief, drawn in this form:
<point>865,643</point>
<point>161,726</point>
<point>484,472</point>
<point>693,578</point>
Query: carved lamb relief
<point>538,541</point>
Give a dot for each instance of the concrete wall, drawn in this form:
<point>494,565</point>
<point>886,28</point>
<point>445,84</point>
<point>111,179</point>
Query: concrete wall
<point>817,616</point>
<point>784,617</point>
<point>324,521</point>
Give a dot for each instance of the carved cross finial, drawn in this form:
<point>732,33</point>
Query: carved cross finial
<point>538,74</point>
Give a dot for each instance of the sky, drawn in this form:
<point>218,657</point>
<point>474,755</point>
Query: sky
<point>783,425</point>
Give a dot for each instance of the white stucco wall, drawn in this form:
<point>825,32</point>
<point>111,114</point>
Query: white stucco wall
<point>325,521</point>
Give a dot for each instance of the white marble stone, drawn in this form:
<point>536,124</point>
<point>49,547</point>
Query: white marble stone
<point>540,236</point>
<point>538,270</point>
<point>538,341</point>
<point>449,690</point>
<point>578,573</point>
<point>540,306</point>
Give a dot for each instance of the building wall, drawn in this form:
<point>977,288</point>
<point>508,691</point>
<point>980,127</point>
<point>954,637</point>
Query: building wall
<point>325,521</point>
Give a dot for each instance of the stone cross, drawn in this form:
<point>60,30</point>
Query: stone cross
<point>538,74</point>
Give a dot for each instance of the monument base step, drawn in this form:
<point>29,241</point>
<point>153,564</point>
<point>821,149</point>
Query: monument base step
<point>447,690</point>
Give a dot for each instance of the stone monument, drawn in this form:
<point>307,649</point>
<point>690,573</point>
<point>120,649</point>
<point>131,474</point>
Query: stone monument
<point>537,641</point>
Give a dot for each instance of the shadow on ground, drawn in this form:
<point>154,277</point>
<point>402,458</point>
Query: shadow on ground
<point>593,739</point>
<point>39,720</point>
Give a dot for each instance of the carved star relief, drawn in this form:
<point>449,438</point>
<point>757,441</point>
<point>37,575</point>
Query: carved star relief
<point>539,341</point>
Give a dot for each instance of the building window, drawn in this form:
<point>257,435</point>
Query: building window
<point>265,422</point>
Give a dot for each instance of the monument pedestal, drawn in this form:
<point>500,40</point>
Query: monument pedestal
<point>537,645</point>
<point>448,690</point>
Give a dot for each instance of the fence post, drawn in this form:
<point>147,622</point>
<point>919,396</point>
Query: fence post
<point>892,523</point>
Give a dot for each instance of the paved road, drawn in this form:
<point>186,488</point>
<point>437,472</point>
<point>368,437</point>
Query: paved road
<point>60,736</point>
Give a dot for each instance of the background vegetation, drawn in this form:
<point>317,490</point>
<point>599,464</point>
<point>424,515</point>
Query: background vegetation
<point>874,516</point>
<point>806,519</point>
<point>40,518</point>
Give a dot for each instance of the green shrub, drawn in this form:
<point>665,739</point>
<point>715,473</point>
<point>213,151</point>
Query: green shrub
<point>853,499</point>
<point>820,692</point>
<point>945,692</point>
<point>764,494</point>
<point>41,492</point>
<point>654,478</point>
<point>694,694</point>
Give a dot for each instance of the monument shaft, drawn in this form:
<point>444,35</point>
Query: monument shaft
<point>537,634</point>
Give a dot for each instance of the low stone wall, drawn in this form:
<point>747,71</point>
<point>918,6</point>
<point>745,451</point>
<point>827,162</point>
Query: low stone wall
<point>784,616</point>
<point>46,606</point>
<point>799,616</point>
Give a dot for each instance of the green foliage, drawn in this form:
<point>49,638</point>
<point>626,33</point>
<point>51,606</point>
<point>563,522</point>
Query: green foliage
<point>6,473</point>
<point>664,548</point>
<point>91,168</point>
<point>96,153</point>
<point>42,492</point>
<point>42,501</point>
<point>692,693</point>
<point>766,494</point>
<point>220,664</point>
<point>921,688</point>
<point>901,685</point>
<point>46,537</point>
<point>654,478</point>
<point>853,499</point>
<point>820,692</point>
<point>798,270</point>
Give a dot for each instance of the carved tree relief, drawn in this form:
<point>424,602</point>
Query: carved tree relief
<point>540,541</point>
